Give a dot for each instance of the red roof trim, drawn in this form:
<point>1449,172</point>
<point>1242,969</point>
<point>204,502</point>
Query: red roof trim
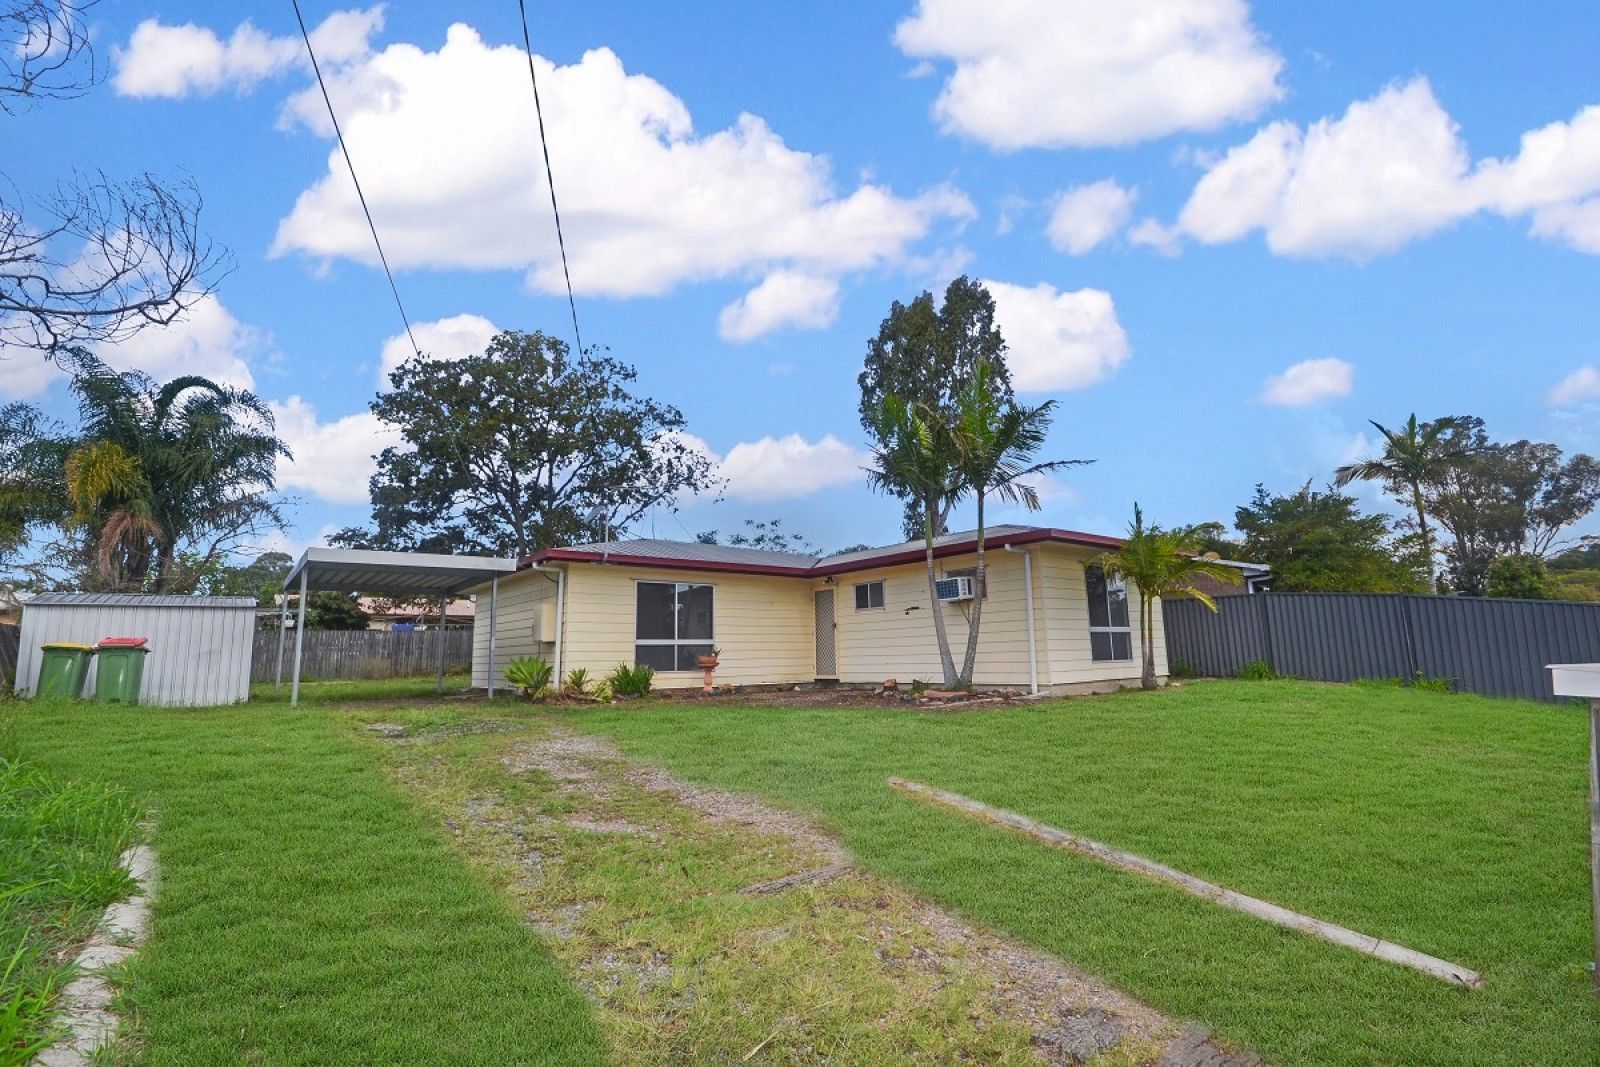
<point>822,570</point>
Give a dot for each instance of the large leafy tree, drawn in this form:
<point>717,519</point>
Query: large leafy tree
<point>1413,456</point>
<point>522,447</point>
<point>1507,499</point>
<point>1320,542</point>
<point>994,443</point>
<point>926,355</point>
<point>157,482</point>
<point>1164,564</point>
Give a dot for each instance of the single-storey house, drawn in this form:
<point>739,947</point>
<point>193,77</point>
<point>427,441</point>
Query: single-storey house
<point>1052,622</point>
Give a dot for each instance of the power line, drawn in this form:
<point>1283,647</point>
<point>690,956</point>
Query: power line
<point>544,143</point>
<point>326,99</point>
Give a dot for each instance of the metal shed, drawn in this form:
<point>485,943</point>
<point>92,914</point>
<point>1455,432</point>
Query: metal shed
<point>199,646</point>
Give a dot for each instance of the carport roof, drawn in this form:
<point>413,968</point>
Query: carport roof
<point>351,570</point>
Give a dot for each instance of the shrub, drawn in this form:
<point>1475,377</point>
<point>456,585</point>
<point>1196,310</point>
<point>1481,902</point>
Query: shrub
<point>1257,671</point>
<point>530,674</point>
<point>578,682</point>
<point>632,681</point>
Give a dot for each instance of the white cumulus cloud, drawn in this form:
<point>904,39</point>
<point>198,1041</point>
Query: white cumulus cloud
<point>1086,215</point>
<point>332,460</point>
<point>779,468</point>
<point>447,338</point>
<point>174,61</point>
<point>1580,386</point>
<point>1308,382</point>
<point>1392,169</point>
<point>784,298</point>
<point>647,201</point>
<point>1074,73</point>
<point>1058,340</point>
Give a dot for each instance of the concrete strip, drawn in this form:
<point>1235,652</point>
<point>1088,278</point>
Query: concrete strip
<point>84,1009</point>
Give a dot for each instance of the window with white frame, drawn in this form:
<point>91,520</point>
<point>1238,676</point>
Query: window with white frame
<point>672,625</point>
<point>1110,636</point>
<point>869,595</point>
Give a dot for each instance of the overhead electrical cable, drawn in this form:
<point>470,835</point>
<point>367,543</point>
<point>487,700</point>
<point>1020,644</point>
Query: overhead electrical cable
<point>544,143</point>
<point>339,133</point>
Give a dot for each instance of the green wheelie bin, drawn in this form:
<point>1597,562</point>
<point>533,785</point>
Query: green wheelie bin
<point>119,670</point>
<point>62,670</point>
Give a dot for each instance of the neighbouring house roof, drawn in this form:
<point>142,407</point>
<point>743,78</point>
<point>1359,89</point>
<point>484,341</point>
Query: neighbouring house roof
<point>1250,569</point>
<point>650,552</point>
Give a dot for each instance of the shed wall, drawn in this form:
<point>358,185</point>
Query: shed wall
<point>199,656</point>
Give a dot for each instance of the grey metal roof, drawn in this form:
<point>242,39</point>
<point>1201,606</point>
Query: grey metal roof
<point>992,535</point>
<point>417,574</point>
<point>136,600</point>
<point>696,552</point>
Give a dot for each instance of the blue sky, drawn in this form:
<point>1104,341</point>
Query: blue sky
<point>1338,194</point>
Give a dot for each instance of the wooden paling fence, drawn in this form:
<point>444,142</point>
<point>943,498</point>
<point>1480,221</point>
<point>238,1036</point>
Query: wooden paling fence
<point>10,642</point>
<point>362,653</point>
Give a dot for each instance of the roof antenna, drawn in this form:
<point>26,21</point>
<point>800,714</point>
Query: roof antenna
<point>599,517</point>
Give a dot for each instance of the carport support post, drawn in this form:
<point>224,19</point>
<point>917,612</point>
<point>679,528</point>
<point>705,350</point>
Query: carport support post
<point>1594,829</point>
<point>439,682</point>
<point>494,617</point>
<point>299,639</point>
<point>283,625</point>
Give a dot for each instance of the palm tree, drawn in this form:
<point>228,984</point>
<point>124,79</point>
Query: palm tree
<point>994,441</point>
<point>1163,564</point>
<point>916,456</point>
<point>1412,456</point>
<point>158,467</point>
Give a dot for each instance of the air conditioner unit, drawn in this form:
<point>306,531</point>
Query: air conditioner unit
<point>951,589</point>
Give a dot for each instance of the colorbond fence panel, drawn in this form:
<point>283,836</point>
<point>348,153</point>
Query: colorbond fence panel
<point>362,653</point>
<point>1493,647</point>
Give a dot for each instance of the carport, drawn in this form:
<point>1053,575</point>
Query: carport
<point>402,574</point>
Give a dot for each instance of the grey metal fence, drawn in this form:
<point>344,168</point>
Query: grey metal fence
<point>1493,647</point>
<point>362,653</point>
<point>10,642</point>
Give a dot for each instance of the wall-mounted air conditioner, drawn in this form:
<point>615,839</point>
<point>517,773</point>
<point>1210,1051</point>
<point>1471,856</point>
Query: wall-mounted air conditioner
<point>952,589</point>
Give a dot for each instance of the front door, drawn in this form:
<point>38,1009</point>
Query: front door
<point>827,653</point>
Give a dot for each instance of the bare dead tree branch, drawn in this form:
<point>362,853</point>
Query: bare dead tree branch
<point>45,52</point>
<point>99,260</point>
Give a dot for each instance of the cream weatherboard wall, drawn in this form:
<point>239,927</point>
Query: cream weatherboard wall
<point>762,625</point>
<point>522,615</point>
<point>765,627</point>
<point>897,640</point>
<point>1059,569</point>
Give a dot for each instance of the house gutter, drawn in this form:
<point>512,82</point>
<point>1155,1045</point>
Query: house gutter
<point>1033,638</point>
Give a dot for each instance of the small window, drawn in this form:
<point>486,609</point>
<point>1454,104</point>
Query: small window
<point>672,625</point>
<point>869,595</point>
<point>1110,636</point>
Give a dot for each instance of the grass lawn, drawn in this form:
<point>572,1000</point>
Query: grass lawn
<point>314,908</point>
<point>60,843</point>
<point>1451,824</point>
<point>307,912</point>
